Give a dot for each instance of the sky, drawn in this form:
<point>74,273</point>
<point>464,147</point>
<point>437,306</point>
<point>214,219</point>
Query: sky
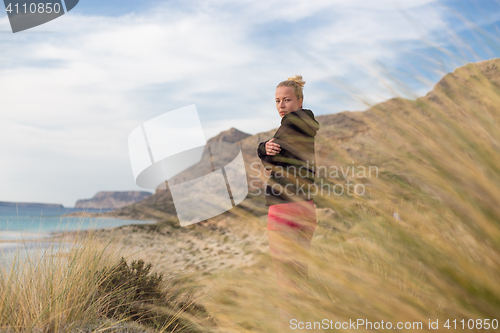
<point>73,89</point>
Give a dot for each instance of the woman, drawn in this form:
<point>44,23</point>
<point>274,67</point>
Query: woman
<point>289,155</point>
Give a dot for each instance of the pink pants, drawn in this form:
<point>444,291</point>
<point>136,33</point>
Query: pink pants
<point>300,215</point>
<point>290,226</point>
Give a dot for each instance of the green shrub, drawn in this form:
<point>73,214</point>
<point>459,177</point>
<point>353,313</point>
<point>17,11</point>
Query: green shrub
<point>133,293</point>
<point>129,288</point>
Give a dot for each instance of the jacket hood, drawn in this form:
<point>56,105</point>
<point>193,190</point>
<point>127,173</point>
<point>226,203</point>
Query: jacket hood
<point>304,118</point>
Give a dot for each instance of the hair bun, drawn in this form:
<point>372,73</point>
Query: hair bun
<point>298,80</point>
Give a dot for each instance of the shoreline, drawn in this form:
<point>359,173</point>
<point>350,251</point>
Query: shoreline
<point>112,215</point>
<point>88,214</point>
<point>58,238</point>
<point>8,245</point>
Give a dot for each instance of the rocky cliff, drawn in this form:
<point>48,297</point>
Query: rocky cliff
<point>112,200</point>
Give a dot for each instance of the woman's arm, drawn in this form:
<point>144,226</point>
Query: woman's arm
<point>267,160</point>
<point>294,140</point>
<point>285,135</point>
<point>261,150</point>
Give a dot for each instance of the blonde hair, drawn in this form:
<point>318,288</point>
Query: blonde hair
<point>296,83</point>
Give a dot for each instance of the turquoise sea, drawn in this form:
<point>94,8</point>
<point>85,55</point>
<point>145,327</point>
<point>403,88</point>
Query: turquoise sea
<point>32,223</point>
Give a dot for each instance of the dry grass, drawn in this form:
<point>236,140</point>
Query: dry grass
<point>47,291</point>
<point>439,167</point>
<point>53,290</point>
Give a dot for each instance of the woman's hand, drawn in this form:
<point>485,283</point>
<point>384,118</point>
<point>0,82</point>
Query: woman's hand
<point>272,148</point>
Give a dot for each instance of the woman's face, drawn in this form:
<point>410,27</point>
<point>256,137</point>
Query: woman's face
<point>286,101</point>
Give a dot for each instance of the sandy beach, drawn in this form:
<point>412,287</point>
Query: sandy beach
<point>202,249</point>
<point>205,248</point>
